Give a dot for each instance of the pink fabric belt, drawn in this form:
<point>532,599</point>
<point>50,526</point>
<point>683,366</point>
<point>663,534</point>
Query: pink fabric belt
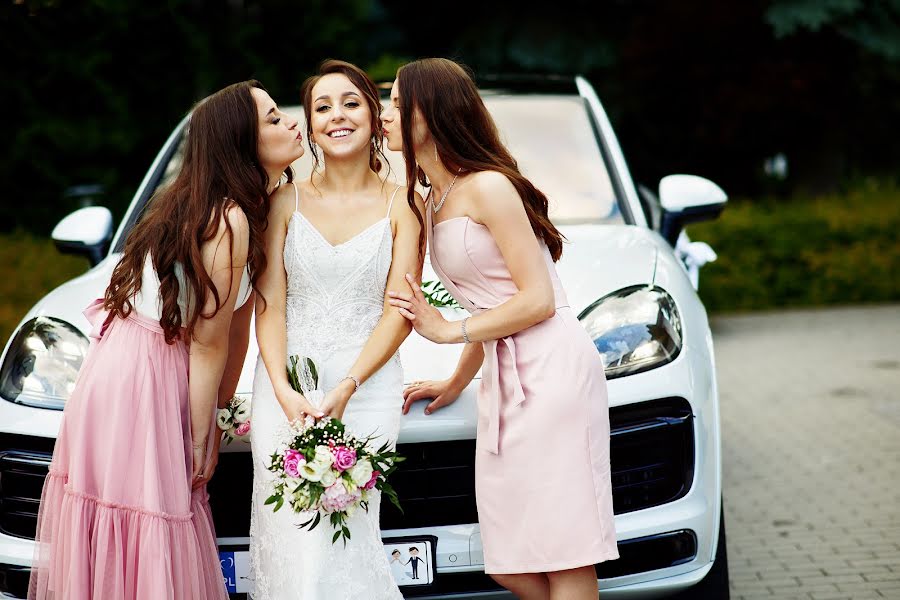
<point>494,391</point>
<point>100,318</point>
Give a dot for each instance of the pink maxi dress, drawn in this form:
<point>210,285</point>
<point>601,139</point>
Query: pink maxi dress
<point>542,475</point>
<point>118,519</point>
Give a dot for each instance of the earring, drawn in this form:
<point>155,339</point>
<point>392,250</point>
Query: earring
<point>435,153</point>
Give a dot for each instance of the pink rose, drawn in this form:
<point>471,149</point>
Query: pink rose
<point>242,429</point>
<point>371,483</point>
<point>344,457</point>
<point>293,460</point>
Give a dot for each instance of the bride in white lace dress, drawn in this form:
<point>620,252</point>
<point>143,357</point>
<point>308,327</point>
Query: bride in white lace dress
<point>334,243</point>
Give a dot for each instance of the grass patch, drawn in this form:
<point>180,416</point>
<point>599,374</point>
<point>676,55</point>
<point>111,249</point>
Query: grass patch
<point>30,266</point>
<point>804,251</point>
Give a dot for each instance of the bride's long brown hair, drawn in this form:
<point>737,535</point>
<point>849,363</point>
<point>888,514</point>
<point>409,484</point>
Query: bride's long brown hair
<point>465,135</point>
<point>220,169</point>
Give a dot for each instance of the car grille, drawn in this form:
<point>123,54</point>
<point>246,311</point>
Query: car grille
<point>435,485</point>
<point>23,469</point>
<point>651,454</point>
<point>230,491</point>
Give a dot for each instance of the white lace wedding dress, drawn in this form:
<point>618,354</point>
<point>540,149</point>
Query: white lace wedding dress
<point>335,296</point>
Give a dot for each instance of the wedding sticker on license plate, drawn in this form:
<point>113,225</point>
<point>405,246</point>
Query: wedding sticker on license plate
<point>411,559</point>
<point>236,571</point>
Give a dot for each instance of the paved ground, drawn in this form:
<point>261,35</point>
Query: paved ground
<point>811,452</point>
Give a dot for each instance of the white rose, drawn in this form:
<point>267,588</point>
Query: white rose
<point>323,455</point>
<point>223,419</point>
<point>361,472</point>
<point>311,472</point>
<point>242,412</point>
<point>328,478</point>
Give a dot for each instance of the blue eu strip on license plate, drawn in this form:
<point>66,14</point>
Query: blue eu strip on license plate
<point>236,571</point>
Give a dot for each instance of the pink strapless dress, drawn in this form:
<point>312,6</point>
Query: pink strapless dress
<point>118,519</point>
<point>542,475</point>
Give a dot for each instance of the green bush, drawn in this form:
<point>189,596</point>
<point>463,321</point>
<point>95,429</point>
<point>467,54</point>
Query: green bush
<point>30,266</point>
<point>838,249</point>
<point>804,251</point>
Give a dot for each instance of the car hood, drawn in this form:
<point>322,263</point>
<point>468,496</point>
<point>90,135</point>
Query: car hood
<point>597,260</point>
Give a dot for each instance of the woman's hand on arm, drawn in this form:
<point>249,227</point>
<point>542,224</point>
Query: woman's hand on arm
<point>496,204</point>
<point>392,328</point>
<point>271,319</point>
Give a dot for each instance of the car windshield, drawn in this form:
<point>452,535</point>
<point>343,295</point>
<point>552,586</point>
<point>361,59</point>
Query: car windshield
<point>553,140</point>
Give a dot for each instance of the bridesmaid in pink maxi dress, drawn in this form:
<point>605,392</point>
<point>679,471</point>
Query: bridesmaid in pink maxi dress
<point>124,513</point>
<point>542,471</point>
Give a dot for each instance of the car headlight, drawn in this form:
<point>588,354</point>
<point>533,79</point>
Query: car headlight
<point>634,329</point>
<point>42,363</point>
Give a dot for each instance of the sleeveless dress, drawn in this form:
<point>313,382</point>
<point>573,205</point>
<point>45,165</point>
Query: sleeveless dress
<point>335,298</point>
<point>543,420</point>
<point>118,519</point>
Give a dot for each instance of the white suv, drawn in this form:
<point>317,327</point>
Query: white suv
<point>624,272</point>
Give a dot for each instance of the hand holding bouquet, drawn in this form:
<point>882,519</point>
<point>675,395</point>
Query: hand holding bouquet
<point>234,419</point>
<point>323,469</point>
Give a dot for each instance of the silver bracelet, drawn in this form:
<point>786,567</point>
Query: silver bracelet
<point>464,334</point>
<point>355,381</point>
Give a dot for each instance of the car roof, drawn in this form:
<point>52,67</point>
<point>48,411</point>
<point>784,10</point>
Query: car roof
<point>502,83</point>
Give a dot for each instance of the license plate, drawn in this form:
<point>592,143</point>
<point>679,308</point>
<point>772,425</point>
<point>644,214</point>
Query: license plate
<point>236,571</point>
<point>411,559</point>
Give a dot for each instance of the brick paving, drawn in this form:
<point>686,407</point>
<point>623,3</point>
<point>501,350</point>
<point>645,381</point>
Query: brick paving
<point>810,405</point>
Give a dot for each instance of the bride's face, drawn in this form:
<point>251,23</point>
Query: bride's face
<point>340,120</point>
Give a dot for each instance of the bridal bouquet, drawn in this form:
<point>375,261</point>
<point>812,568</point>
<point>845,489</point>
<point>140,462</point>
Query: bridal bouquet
<point>322,469</point>
<point>234,419</point>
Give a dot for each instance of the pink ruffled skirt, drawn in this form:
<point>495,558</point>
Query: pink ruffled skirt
<point>118,519</point>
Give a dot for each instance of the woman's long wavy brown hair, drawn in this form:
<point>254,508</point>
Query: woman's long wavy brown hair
<point>220,169</point>
<point>361,80</point>
<point>465,135</point>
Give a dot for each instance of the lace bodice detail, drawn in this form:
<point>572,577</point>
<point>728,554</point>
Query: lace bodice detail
<point>339,288</point>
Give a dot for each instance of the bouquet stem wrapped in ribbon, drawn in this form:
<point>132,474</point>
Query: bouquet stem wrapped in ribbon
<point>322,469</point>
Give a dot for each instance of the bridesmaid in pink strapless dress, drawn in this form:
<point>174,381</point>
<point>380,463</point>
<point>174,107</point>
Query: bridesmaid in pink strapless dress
<point>542,472</point>
<point>543,422</point>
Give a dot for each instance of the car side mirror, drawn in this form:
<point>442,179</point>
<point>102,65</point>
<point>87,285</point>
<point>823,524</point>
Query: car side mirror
<point>688,199</point>
<point>85,232</point>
